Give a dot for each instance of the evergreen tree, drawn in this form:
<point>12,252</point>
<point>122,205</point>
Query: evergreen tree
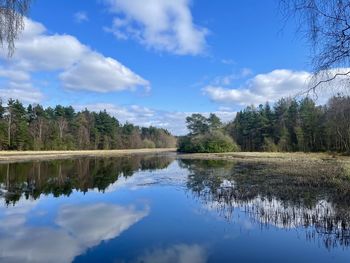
<point>294,126</point>
<point>61,128</point>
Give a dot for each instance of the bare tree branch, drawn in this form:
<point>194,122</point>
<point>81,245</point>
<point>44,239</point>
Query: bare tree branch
<point>326,25</point>
<point>12,14</point>
<point>336,75</point>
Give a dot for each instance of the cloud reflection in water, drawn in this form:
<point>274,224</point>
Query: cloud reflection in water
<point>77,229</point>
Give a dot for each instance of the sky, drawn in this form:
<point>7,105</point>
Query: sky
<point>154,62</point>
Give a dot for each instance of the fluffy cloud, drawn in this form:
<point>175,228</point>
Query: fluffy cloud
<point>38,51</point>
<point>159,24</point>
<point>48,53</point>
<point>261,88</point>
<point>269,87</point>
<point>97,73</point>
<point>174,121</point>
<point>78,66</point>
<point>23,91</point>
<point>14,75</point>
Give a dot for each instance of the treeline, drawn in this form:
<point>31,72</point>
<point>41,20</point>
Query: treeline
<point>292,125</point>
<point>287,126</point>
<point>62,128</point>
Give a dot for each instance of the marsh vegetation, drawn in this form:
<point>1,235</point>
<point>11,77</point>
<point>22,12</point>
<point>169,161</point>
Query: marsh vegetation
<point>284,195</point>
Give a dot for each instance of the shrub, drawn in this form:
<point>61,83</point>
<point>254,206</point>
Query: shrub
<point>269,145</point>
<point>213,142</point>
<point>148,144</point>
<point>219,142</point>
<point>184,144</point>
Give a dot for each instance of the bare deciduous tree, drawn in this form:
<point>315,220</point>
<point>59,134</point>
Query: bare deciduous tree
<point>326,25</point>
<point>12,14</point>
<point>62,126</point>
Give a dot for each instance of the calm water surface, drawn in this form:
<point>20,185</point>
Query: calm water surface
<point>157,208</point>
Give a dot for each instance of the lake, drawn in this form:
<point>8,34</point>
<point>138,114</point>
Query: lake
<point>160,208</point>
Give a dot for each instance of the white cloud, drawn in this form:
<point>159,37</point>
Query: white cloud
<point>23,91</point>
<point>101,74</point>
<point>241,97</point>
<point>268,87</point>
<point>78,66</point>
<point>81,16</point>
<point>14,75</point>
<point>159,24</point>
<point>36,50</point>
<point>48,53</point>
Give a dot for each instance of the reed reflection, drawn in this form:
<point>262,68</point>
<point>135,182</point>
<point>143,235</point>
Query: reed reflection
<point>317,202</point>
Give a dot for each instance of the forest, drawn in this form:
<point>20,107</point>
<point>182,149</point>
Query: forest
<point>287,126</point>
<point>62,128</point>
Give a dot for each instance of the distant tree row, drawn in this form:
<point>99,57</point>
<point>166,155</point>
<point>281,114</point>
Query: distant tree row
<point>293,125</point>
<point>289,125</point>
<point>62,128</point>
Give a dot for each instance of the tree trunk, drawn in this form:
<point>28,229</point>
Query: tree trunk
<point>9,129</point>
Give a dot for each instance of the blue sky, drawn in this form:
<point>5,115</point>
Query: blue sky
<point>154,62</point>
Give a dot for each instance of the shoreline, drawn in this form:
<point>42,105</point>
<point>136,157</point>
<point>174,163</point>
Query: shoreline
<point>324,165</point>
<point>276,157</point>
<point>22,156</point>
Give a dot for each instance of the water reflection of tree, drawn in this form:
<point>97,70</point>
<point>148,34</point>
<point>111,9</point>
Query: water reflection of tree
<point>314,198</point>
<point>62,177</point>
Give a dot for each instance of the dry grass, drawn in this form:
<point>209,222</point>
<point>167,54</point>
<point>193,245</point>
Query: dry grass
<point>300,158</point>
<point>317,165</point>
<point>13,156</point>
<point>270,157</point>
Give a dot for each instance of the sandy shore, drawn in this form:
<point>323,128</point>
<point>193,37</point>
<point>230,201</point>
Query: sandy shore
<point>18,156</point>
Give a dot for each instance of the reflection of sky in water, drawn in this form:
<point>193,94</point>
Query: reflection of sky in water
<point>75,229</point>
<point>152,217</point>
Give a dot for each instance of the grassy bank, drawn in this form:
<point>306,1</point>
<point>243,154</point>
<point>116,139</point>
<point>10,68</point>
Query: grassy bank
<point>236,156</point>
<point>15,156</point>
<point>319,165</point>
<point>287,163</point>
<point>269,156</point>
